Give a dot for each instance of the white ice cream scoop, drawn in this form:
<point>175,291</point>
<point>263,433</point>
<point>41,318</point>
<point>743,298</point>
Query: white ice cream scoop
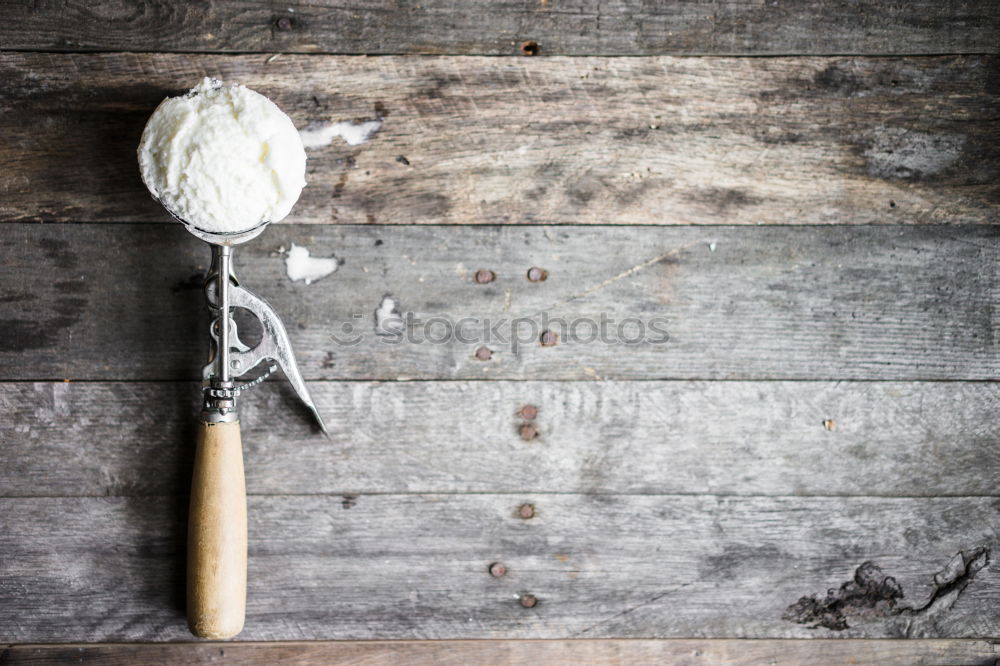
<point>223,158</point>
<point>225,161</point>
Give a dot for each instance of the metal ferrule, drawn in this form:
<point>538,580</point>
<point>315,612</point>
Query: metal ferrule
<point>220,402</point>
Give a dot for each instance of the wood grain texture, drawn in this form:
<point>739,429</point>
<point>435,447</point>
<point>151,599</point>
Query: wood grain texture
<point>728,438</point>
<point>678,652</point>
<point>415,566</point>
<point>582,27</point>
<point>657,141</point>
<point>217,534</point>
<point>902,302</point>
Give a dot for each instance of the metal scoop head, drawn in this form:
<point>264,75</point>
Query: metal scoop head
<point>225,237</point>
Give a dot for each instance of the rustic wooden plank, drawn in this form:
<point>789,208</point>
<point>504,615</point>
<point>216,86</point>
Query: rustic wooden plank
<point>901,302</point>
<point>554,141</point>
<point>584,27</point>
<point>416,567</point>
<point>681,652</point>
<point>761,438</point>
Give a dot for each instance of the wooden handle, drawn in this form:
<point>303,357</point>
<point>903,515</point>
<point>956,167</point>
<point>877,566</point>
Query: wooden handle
<point>217,534</point>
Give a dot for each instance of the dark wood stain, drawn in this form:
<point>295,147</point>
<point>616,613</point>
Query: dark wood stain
<point>722,200</point>
<point>59,252</point>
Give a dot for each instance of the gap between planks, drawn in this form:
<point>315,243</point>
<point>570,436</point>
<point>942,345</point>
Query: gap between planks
<point>522,494</point>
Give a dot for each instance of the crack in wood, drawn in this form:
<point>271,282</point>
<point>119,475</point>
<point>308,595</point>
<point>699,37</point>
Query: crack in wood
<point>871,594</point>
<point>669,255</point>
<point>653,599</point>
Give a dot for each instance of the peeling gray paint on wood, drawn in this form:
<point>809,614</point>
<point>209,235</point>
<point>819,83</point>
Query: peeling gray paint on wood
<point>583,27</point>
<point>416,566</point>
<point>742,438</point>
<point>656,141</point>
<point>839,302</point>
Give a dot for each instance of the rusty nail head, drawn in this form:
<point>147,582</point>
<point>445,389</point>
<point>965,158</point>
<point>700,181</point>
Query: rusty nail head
<point>284,23</point>
<point>484,354</point>
<point>526,511</point>
<point>483,276</point>
<point>549,339</point>
<point>536,274</point>
<point>530,47</point>
<point>528,431</point>
<point>497,569</point>
<point>529,412</point>
<point>528,600</point>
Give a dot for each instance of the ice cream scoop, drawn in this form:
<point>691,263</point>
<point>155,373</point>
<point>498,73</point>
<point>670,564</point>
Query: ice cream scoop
<point>223,158</point>
<point>221,161</point>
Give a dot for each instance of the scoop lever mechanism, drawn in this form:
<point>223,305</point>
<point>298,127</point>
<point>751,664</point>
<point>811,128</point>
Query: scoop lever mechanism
<point>231,358</point>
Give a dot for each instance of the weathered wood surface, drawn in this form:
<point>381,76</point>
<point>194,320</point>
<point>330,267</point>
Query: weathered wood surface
<point>657,508</point>
<point>416,567</point>
<point>728,438</point>
<point>582,27</point>
<point>551,141</point>
<point>677,652</point>
<point>874,302</point>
